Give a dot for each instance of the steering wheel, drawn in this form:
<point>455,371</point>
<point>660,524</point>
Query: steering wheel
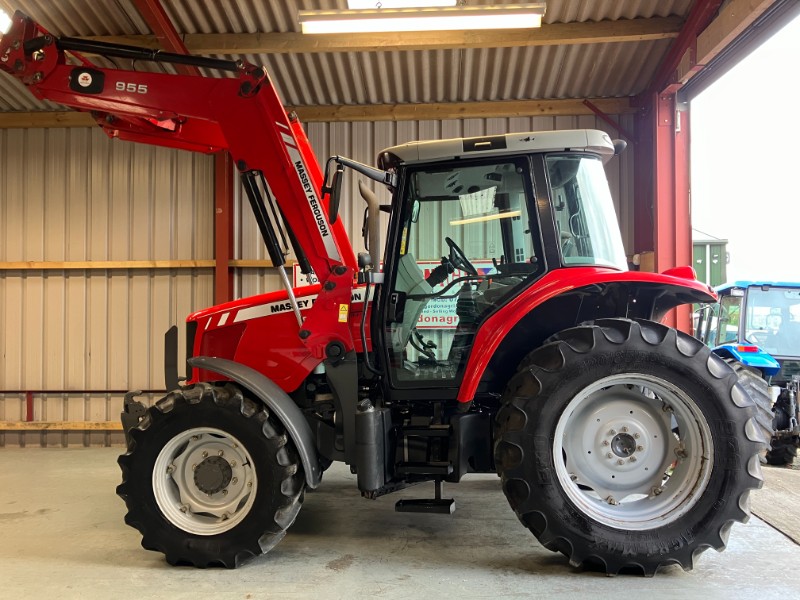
<point>459,259</point>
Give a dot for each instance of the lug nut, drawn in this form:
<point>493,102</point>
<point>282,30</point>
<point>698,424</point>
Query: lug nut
<point>235,480</point>
<point>205,454</point>
<point>624,430</point>
<point>640,448</point>
<point>656,491</point>
<point>605,442</point>
<point>611,501</point>
<point>573,477</point>
<point>221,453</point>
<point>609,455</point>
<point>233,464</point>
<point>620,462</point>
<point>224,492</point>
<point>632,459</point>
<point>194,467</point>
<point>636,436</point>
<point>184,508</point>
<point>170,469</point>
<point>249,484</point>
<point>612,432</point>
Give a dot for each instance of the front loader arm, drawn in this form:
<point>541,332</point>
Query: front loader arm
<point>241,114</point>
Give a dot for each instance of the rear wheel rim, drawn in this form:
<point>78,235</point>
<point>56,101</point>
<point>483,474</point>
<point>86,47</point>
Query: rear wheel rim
<point>633,452</point>
<point>204,481</point>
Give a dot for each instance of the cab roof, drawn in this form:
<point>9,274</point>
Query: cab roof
<point>721,289</point>
<point>591,140</point>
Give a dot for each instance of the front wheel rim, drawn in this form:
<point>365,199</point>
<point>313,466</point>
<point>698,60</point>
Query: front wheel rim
<point>633,452</point>
<point>204,481</point>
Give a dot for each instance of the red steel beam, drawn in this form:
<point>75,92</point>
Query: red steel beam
<point>661,180</point>
<point>700,16</point>
<point>673,244</point>
<point>153,12</point>
<point>223,227</point>
<point>643,209</point>
<point>156,17</point>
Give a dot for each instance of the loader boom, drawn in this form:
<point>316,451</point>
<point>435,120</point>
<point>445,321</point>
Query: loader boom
<point>242,114</point>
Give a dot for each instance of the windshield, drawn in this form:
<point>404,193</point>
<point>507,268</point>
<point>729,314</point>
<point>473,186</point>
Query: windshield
<point>773,319</point>
<point>584,212</point>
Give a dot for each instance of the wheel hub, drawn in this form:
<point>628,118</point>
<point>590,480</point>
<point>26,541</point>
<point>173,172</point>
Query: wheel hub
<point>213,475</point>
<point>623,445</point>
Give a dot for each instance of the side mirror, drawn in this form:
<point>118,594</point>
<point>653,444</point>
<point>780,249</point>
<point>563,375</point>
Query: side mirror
<point>335,194</point>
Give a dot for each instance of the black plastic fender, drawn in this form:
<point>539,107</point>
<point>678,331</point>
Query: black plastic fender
<point>278,402</point>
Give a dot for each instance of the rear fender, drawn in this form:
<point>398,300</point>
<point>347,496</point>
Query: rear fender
<point>281,405</point>
<point>564,298</point>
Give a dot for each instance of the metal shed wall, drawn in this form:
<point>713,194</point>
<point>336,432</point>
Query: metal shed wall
<point>74,195</point>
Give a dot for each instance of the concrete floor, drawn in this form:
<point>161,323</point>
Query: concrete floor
<point>63,536</point>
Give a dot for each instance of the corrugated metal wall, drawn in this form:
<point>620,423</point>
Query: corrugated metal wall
<point>74,195</point>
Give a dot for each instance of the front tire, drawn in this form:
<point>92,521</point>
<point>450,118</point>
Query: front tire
<point>629,445</point>
<point>757,388</point>
<point>210,479</point>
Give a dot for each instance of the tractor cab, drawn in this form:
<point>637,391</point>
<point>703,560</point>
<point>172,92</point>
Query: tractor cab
<point>476,222</point>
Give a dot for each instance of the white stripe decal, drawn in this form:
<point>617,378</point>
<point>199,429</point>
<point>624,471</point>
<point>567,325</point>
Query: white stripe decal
<point>288,139</point>
<point>263,310</point>
<point>279,124</point>
<point>223,319</point>
<point>313,202</point>
<point>306,302</point>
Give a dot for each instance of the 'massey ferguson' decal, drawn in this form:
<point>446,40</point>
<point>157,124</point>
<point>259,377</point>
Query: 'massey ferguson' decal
<point>273,308</point>
<point>313,202</point>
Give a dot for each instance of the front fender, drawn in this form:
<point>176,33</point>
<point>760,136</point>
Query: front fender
<point>278,401</point>
<point>750,356</point>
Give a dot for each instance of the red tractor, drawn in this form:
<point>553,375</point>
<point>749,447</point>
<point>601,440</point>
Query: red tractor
<point>498,330</point>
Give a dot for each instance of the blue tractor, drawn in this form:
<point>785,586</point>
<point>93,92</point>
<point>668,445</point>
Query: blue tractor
<point>755,326</point>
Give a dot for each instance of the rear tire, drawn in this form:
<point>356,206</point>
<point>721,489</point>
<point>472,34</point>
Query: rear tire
<point>210,479</point>
<point>681,433</point>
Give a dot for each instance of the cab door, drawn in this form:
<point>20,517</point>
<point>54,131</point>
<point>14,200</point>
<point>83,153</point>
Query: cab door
<point>466,241</point>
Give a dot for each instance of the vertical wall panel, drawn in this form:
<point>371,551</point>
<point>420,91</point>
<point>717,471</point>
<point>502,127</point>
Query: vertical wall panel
<point>75,195</point>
